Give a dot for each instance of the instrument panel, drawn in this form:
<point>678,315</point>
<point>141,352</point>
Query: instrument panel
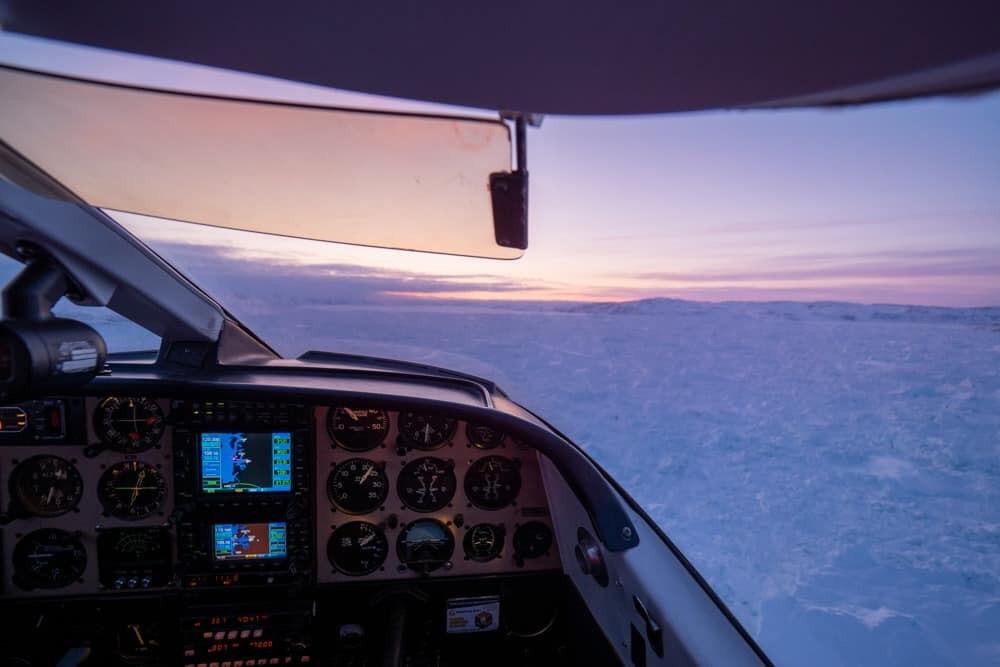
<point>406,494</point>
<point>133,493</point>
<point>86,506</point>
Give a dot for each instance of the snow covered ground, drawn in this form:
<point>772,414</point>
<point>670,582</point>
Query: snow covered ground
<point>832,469</point>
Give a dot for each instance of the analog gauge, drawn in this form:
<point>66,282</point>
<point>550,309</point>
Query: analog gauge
<point>133,544</point>
<point>131,490</point>
<point>483,437</point>
<point>128,425</point>
<point>46,485</point>
<point>483,541</point>
<point>357,548</point>
<point>357,430</point>
<point>426,431</point>
<point>426,484</point>
<point>425,545</point>
<point>134,557</point>
<point>48,558</point>
<point>532,539</point>
<point>493,482</point>
<point>357,486</point>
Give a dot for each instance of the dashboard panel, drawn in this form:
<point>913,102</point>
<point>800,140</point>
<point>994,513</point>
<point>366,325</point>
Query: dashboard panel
<point>85,513</point>
<point>283,516</point>
<point>403,494</point>
<point>122,494</point>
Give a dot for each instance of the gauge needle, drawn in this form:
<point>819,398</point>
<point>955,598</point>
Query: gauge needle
<point>135,491</point>
<point>366,539</point>
<point>353,415</point>
<point>427,433</point>
<point>368,473</point>
<point>48,498</point>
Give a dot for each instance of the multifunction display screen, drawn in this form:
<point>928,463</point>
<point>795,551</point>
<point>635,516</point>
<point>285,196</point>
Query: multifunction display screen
<point>246,462</point>
<point>247,541</point>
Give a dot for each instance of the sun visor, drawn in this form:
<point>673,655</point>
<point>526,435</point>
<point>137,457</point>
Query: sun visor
<point>388,180</point>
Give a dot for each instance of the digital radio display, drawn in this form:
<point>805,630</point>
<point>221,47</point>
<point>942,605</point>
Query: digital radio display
<point>246,462</point>
<point>248,541</point>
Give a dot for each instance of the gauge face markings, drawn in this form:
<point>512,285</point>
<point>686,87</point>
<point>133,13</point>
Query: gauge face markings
<point>425,545</point>
<point>426,431</point>
<point>483,437</point>
<point>127,424</point>
<point>357,486</point>
<point>131,490</point>
<point>493,482</point>
<point>532,539</point>
<point>48,558</point>
<point>357,429</point>
<point>426,484</point>
<point>134,557</point>
<point>46,485</point>
<point>134,544</point>
<point>357,548</point>
<point>483,542</point>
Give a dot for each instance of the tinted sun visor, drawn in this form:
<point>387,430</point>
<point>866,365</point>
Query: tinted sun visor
<point>388,180</point>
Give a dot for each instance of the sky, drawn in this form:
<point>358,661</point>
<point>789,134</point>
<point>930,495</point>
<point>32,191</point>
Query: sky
<point>893,203</point>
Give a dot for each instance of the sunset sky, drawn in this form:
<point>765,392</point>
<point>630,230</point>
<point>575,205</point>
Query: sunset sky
<point>891,203</point>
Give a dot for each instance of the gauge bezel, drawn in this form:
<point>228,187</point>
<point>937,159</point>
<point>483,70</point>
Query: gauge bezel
<point>499,533</point>
<point>27,581</point>
<point>30,508</point>
<point>331,547</point>
<point>331,417</point>
<point>108,476</point>
<point>406,417</point>
<point>407,471</point>
<point>470,430</point>
<point>508,498</point>
<point>151,568</point>
<point>425,567</point>
<point>367,509</point>
<point>118,444</point>
<point>109,543</point>
<point>521,539</point>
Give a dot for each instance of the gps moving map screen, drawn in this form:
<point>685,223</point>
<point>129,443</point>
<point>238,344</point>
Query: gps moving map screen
<point>246,462</point>
<point>248,541</point>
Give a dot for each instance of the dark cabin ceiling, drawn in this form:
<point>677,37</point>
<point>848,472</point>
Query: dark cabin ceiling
<point>563,57</point>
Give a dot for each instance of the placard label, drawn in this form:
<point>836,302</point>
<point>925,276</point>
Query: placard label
<point>480,614</point>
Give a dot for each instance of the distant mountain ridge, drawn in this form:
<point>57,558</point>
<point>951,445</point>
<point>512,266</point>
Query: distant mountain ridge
<point>796,310</point>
